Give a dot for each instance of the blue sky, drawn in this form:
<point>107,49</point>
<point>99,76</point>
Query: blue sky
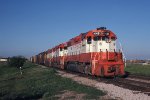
<point>28,27</point>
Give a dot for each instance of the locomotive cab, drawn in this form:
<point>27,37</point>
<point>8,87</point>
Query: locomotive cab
<point>103,42</point>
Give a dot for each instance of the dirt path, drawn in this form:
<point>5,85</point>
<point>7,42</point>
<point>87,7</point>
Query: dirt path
<point>113,91</point>
<point>85,81</point>
<point>69,95</point>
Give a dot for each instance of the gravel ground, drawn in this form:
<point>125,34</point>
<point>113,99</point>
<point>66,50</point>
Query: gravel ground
<point>113,91</point>
<point>69,95</point>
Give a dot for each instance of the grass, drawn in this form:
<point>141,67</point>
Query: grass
<point>138,69</point>
<point>38,83</point>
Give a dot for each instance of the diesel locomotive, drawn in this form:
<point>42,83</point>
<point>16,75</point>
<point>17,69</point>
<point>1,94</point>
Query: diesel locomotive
<point>93,52</point>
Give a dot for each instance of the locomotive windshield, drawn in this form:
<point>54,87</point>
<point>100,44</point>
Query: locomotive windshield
<point>97,38</point>
<point>65,48</point>
<point>105,38</point>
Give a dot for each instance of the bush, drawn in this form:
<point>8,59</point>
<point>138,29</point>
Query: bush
<point>17,61</point>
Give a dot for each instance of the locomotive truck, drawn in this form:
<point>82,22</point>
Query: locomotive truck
<point>93,52</point>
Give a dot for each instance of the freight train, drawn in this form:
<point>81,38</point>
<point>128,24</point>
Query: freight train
<point>93,52</point>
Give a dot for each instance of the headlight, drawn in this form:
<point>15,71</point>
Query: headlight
<point>96,33</point>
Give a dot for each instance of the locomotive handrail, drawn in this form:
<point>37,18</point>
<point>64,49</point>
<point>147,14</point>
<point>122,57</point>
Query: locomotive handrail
<point>124,58</point>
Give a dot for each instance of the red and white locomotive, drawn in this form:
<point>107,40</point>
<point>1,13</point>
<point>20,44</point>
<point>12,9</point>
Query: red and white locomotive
<point>93,52</point>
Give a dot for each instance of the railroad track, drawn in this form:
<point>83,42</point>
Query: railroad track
<point>139,87</point>
<point>136,86</point>
<point>139,77</point>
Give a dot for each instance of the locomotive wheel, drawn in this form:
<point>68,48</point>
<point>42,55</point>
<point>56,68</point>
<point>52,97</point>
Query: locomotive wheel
<point>102,72</point>
<point>65,66</point>
<point>86,70</point>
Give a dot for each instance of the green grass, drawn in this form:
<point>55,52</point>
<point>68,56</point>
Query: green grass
<point>138,69</point>
<point>37,82</point>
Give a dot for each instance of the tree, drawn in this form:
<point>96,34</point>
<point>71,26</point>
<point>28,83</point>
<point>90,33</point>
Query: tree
<point>17,61</point>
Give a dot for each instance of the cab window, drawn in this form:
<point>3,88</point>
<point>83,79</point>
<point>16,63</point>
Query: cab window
<point>60,49</point>
<point>113,38</point>
<point>89,40</point>
<point>65,48</point>
<point>97,38</point>
<point>105,38</point>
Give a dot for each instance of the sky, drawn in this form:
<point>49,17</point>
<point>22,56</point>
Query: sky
<point>28,27</point>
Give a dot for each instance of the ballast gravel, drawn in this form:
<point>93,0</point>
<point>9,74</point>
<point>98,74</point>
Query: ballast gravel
<point>119,92</point>
<point>112,91</point>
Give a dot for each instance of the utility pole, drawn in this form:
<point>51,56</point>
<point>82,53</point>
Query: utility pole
<point>20,71</point>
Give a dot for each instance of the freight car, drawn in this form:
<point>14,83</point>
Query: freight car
<point>93,52</point>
